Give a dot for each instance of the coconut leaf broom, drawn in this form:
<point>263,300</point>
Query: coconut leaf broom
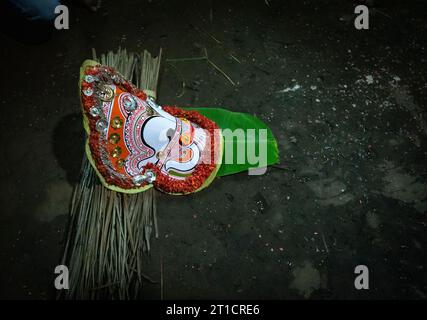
<point>110,231</point>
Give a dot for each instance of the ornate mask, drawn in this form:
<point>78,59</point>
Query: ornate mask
<point>133,143</point>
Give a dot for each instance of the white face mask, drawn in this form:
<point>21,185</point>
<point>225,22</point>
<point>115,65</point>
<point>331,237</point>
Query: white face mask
<point>133,131</point>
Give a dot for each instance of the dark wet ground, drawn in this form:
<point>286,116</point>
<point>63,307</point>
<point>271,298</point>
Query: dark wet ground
<point>352,135</point>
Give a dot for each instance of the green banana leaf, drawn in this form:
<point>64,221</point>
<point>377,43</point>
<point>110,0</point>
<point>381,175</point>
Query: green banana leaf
<point>234,121</point>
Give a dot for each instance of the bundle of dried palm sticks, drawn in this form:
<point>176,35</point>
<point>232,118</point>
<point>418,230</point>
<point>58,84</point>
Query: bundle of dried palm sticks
<point>109,231</point>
